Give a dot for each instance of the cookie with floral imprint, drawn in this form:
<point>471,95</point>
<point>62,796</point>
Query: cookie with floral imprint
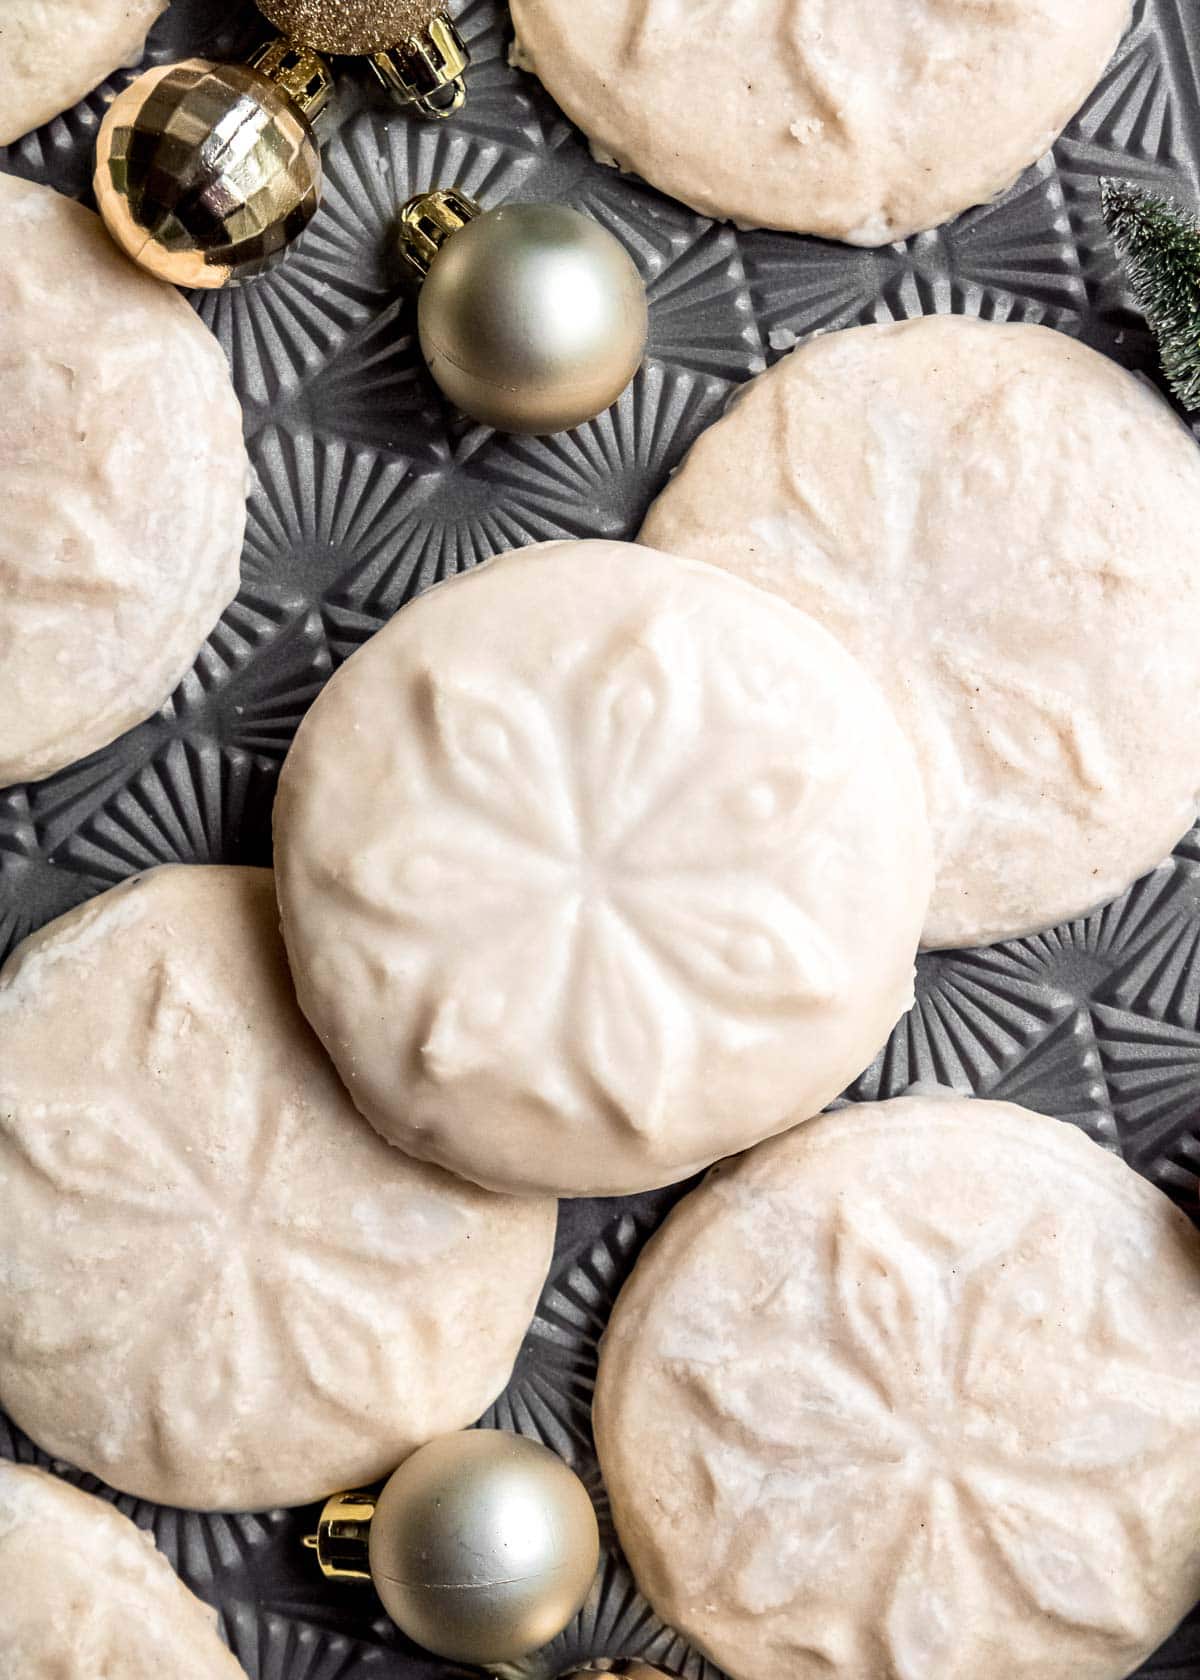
<point>914,1391</point>
<point>595,865</point>
<point>865,121</point>
<point>222,1289</point>
<point>123,476</point>
<point>86,1594</point>
<point>52,52</point>
<point>1000,524</point>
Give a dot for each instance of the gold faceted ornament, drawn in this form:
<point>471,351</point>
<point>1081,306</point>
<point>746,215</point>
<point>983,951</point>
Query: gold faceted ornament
<point>207,173</point>
<point>482,1546</point>
<point>532,317</point>
<point>412,45</point>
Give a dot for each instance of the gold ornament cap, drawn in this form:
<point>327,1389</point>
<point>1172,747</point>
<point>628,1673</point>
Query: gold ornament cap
<point>343,1534</point>
<point>299,73</point>
<point>414,48</point>
<point>425,224</point>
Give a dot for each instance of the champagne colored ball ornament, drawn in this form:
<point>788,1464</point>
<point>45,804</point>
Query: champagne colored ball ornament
<point>206,173</point>
<point>412,45</point>
<point>482,1546</point>
<point>532,317</point>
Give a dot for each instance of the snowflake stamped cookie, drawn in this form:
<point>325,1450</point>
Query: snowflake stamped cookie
<point>863,120</point>
<point>221,1289</point>
<point>117,556</point>
<point>912,1392</point>
<point>1031,612</point>
<point>87,1596</point>
<point>596,865</point>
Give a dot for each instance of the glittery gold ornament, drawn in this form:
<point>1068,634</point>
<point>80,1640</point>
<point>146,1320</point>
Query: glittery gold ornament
<point>412,44</point>
<point>482,1546</point>
<point>532,317</point>
<point>206,173</point>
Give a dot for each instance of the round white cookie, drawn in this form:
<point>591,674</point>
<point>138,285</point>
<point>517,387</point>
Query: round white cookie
<point>595,866</point>
<point>86,1595</point>
<point>122,483</point>
<point>864,120</point>
<point>55,51</point>
<point>1001,525</point>
<point>221,1289</point>
<point>913,1392</point>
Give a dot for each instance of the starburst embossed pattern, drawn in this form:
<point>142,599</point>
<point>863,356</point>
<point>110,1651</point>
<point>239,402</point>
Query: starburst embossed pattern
<point>367,490</point>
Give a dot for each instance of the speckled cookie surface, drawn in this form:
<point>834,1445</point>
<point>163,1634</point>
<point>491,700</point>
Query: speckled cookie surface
<point>54,51</point>
<point>862,120</point>
<point>221,1289</point>
<point>122,482</point>
<point>595,865</point>
<point>87,1596</point>
<point>1000,523</point>
<point>913,1391</point>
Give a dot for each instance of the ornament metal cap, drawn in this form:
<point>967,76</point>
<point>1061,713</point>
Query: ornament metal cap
<point>343,1536</point>
<point>412,45</point>
<point>425,224</point>
<point>299,72</point>
<point>427,69</point>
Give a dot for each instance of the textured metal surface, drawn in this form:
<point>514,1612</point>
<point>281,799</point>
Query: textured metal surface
<point>367,491</point>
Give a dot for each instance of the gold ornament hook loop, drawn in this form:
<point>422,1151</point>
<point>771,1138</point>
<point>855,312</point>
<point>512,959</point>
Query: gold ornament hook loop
<point>445,102</point>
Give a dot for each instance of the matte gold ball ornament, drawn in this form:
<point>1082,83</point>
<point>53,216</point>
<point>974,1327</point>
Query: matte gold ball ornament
<point>482,1546</point>
<point>532,317</point>
<point>412,45</point>
<point>206,173</point>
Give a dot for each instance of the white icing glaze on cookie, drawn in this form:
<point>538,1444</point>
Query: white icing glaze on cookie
<point>218,1287</point>
<point>862,120</point>
<point>52,52</point>
<point>87,1597</point>
<point>913,1392</point>
<point>122,483</point>
<point>1001,525</point>
<point>595,866</point>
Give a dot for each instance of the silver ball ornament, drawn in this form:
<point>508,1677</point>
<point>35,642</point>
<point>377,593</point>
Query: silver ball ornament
<point>483,1546</point>
<point>532,318</point>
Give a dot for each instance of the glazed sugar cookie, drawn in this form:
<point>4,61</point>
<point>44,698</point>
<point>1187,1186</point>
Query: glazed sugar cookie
<point>594,866</point>
<point>865,121</point>
<point>122,483</point>
<point>221,1289</point>
<point>913,1392</point>
<point>55,51</point>
<point>1001,524</point>
<point>86,1594</point>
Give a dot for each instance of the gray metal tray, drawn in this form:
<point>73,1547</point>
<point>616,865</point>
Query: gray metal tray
<point>367,490</point>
